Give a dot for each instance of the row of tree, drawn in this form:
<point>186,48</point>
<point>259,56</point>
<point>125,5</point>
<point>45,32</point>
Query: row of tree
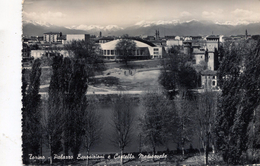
<point>233,120</point>
<point>237,123</point>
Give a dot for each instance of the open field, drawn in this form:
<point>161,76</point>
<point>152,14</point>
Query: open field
<point>137,76</point>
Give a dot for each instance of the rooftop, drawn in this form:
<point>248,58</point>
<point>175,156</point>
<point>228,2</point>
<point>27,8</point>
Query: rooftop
<point>208,72</point>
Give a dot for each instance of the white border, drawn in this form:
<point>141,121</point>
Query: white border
<point>10,82</point>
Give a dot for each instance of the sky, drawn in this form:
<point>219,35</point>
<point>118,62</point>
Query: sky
<point>130,12</point>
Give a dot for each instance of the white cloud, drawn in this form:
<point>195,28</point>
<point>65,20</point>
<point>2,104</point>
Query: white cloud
<point>245,16</point>
<point>216,13</point>
<point>242,13</point>
<point>185,14</point>
<point>49,15</point>
<point>43,16</point>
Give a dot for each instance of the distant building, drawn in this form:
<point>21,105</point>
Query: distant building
<point>71,37</point>
<point>173,42</point>
<point>177,38</point>
<point>209,80</point>
<point>48,53</point>
<point>144,50</point>
<point>187,47</point>
<point>212,48</point>
<point>105,39</point>
<point>169,37</point>
<point>51,37</point>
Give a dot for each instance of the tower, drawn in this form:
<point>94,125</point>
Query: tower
<point>100,34</point>
<point>157,34</point>
<point>246,34</point>
<point>187,47</point>
<point>212,47</point>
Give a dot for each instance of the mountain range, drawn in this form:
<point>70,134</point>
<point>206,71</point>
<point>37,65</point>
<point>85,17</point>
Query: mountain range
<point>166,28</point>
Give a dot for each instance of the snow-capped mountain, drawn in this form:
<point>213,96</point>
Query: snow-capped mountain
<point>173,27</point>
<point>96,27</point>
<point>38,23</point>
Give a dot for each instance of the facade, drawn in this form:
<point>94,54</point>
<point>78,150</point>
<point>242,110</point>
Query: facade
<point>209,80</point>
<point>173,42</point>
<point>105,39</point>
<point>71,37</point>
<point>143,51</point>
<point>47,53</point>
<point>212,47</point>
<point>199,54</point>
<point>51,37</point>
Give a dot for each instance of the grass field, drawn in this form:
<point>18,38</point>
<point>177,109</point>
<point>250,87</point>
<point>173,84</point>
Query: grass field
<point>136,76</point>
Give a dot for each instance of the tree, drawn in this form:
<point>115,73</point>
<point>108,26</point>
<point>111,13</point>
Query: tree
<point>122,123</point>
<point>31,126</point>
<point>54,116</point>
<point>253,133</point>
<point>126,48</point>
<point>185,121</point>
<point>87,51</point>
<point>239,82</point>
<point>93,126</point>
<point>159,120</point>
<point>204,120</point>
<point>76,104</point>
<point>178,73</point>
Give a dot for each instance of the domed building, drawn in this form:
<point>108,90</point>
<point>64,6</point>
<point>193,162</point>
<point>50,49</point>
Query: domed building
<point>144,50</point>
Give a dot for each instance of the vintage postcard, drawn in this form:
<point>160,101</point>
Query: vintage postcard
<point>111,82</point>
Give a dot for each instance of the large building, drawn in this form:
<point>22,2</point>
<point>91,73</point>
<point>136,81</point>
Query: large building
<point>212,48</point>
<point>71,37</point>
<point>51,37</point>
<point>144,50</point>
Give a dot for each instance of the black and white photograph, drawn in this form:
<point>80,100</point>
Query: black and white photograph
<point>140,82</point>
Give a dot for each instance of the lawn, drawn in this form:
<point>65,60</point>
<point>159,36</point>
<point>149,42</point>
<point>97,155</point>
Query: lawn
<point>137,76</point>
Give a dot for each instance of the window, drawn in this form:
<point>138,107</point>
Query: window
<point>213,77</point>
<point>213,83</point>
<point>105,52</point>
<point>156,49</point>
<point>112,52</point>
<point>137,52</point>
<point>201,57</point>
<point>108,52</point>
<point>155,53</point>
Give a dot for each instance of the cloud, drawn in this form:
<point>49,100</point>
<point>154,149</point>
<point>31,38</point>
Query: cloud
<point>242,13</point>
<point>185,14</point>
<point>52,15</point>
<point>217,13</point>
<point>245,16</point>
<point>43,16</point>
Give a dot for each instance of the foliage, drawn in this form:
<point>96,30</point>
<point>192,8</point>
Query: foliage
<point>125,48</point>
<point>122,123</point>
<point>93,126</point>
<point>89,52</point>
<point>159,120</point>
<point>239,81</point>
<point>54,122</point>
<point>204,120</point>
<point>185,125</point>
<point>178,73</point>
<point>31,127</point>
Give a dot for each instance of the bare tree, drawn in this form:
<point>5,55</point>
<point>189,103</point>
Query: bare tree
<point>204,120</point>
<point>159,121</point>
<point>93,126</point>
<point>185,120</point>
<point>122,123</point>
